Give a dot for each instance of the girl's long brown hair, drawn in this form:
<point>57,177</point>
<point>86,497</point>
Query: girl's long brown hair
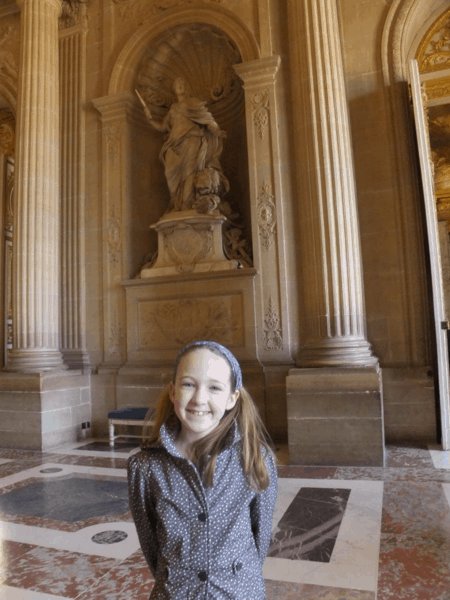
<point>253,432</point>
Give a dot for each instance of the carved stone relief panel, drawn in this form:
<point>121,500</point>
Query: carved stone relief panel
<point>73,12</point>
<point>267,218</point>
<point>261,105</point>
<point>174,323</point>
<point>7,132</point>
<point>273,337</point>
<point>9,50</point>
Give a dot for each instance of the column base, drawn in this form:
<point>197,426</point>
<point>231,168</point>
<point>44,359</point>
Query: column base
<point>35,361</point>
<point>335,417</point>
<point>40,411</point>
<point>78,360</point>
<point>340,352</point>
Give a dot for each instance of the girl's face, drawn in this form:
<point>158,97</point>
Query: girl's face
<point>202,385</point>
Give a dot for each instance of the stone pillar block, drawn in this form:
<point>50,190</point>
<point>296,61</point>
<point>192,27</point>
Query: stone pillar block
<point>335,417</point>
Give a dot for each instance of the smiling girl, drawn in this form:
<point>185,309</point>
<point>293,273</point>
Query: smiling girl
<point>202,494</point>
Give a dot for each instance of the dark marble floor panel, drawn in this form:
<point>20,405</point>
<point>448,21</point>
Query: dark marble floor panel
<point>106,447</point>
<point>309,528</point>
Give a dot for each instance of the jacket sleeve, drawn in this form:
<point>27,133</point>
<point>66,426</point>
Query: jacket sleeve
<point>142,510</point>
<point>261,511</point>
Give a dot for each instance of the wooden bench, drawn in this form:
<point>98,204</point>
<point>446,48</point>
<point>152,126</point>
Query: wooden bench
<point>128,415</point>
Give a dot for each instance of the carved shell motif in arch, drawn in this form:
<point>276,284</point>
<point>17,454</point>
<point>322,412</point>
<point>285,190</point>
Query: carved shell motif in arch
<point>204,56</point>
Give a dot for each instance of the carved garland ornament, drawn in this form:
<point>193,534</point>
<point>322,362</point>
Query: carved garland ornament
<point>73,12</point>
<point>186,245</point>
<point>260,108</point>
<point>266,215</point>
<point>113,139</point>
<point>114,238</point>
<point>273,339</point>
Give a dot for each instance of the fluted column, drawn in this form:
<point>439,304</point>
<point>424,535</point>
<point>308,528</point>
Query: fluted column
<point>333,314</point>
<point>37,209</point>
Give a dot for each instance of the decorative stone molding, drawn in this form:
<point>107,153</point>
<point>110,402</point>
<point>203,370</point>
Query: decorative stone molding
<point>273,338</point>
<point>267,218</point>
<point>261,105</point>
<point>142,9</point>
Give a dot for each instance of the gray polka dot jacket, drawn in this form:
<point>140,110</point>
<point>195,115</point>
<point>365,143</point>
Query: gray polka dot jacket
<point>200,543</point>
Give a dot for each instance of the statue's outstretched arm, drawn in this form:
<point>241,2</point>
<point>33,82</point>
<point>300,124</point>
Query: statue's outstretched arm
<point>157,125</point>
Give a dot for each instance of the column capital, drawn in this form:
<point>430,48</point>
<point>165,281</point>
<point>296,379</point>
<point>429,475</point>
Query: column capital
<point>258,72</point>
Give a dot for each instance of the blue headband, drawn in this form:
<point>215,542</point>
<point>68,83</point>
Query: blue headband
<point>232,360</point>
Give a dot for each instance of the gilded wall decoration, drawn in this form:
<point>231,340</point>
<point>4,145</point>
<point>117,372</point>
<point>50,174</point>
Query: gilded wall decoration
<point>433,53</point>
<point>260,111</point>
<point>8,67</point>
<point>142,9</point>
<point>438,88</point>
<point>266,215</point>
<point>113,140</point>
<point>273,338</point>
<point>182,321</point>
<point>7,132</point>
<point>114,238</point>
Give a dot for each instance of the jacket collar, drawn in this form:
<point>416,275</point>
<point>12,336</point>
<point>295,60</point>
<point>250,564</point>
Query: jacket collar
<point>169,431</point>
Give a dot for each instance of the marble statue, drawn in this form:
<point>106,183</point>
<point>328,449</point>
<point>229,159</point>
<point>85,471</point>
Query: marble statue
<point>190,153</point>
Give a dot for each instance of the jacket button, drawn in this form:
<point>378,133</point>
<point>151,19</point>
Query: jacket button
<point>202,517</point>
<point>203,576</point>
<point>238,566</point>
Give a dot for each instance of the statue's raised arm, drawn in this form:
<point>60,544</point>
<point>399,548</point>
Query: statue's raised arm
<point>191,152</point>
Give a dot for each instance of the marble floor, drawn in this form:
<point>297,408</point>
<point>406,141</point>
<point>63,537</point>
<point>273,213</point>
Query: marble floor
<point>338,533</point>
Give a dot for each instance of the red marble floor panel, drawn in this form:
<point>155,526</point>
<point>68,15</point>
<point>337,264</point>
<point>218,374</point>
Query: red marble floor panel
<point>130,579</point>
<point>411,568</point>
<point>57,572</point>
<point>280,590</point>
<point>9,552</point>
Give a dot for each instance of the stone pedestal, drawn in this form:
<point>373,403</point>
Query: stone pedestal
<point>189,242</point>
<point>335,417</point>
<point>40,411</point>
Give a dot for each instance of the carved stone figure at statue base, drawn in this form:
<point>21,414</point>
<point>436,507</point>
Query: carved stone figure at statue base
<point>189,242</point>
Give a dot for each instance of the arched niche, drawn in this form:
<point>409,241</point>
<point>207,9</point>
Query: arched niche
<point>145,195</point>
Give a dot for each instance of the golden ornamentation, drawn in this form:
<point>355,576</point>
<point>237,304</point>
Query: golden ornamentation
<point>273,339</point>
<point>433,53</point>
<point>267,219</point>
<point>438,88</point>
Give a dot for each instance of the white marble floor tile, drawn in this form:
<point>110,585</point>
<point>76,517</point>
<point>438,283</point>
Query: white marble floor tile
<point>441,458</point>
<point>354,561</point>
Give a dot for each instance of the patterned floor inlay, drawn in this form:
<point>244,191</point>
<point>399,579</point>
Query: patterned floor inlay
<point>354,560</point>
<point>98,448</point>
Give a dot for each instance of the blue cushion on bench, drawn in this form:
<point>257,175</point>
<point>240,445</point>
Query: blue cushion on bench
<point>129,412</point>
